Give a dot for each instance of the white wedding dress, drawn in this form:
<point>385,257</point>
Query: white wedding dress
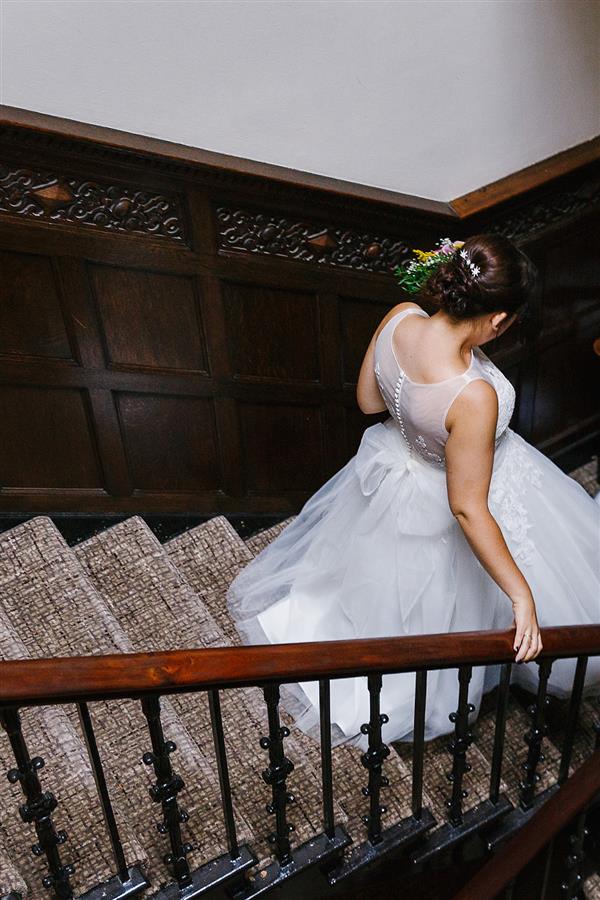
<point>377,552</point>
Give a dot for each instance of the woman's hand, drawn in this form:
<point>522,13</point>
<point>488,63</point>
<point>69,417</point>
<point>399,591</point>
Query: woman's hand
<point>526,623</point>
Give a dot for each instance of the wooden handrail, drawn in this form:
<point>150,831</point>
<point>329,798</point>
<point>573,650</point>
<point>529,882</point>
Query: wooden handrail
<point>71,678</point>
<point>562,806</point>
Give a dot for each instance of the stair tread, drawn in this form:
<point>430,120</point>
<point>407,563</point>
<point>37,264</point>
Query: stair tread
<point>46,575</point>
<point>122,591</point>
<point>161,611</point>
<point>35,569</point>
<point>11,881</point>
<point>259,540</point>
<point>591,887</point>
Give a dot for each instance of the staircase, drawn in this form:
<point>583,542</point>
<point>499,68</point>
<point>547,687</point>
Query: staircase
<point>123,591</point>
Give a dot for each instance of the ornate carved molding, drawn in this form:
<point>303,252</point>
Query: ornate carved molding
<point>555,207</point>
<point>48,197</point>
<point>268,233</point>
<point>275,235</point>
<point>119,209</point>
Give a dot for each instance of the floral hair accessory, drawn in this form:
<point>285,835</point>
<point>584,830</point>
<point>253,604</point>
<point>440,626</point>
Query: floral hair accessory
<point>475,270</point>
<point>413,273</point>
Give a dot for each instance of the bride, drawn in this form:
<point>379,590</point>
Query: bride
<point>444,520</point>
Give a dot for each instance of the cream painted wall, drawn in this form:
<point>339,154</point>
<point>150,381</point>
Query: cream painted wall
<point>427,97</point>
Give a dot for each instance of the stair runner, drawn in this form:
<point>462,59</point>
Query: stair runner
<point>146,572</point>
<point>160,611</point>
<point>122,590</point>
<point>52,605</point>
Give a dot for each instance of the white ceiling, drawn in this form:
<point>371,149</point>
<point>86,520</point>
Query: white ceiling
<point>426,97</point>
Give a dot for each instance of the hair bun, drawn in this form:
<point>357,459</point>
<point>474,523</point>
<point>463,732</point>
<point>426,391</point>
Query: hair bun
<point>451,290</point>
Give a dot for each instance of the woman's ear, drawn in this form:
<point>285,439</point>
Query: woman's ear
<point>497,320</point>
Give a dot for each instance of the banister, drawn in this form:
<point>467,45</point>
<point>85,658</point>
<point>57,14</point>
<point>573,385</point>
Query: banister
<point>76,678</point>
<point>560,809</point>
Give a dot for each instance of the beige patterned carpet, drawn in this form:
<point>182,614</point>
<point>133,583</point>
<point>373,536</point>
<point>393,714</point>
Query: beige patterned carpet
<point>122,590</point>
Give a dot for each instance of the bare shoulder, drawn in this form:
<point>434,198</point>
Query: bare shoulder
<point>475,408</point>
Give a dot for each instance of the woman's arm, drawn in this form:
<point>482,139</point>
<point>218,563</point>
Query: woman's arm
<point>469,452</point>
<point>368,395</point>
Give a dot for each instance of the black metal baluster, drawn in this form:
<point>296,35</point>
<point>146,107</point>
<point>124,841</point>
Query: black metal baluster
<point>459,745</point>
<point>165,791</point>
<point>574,707</point>
<point>406,831</point>
<point>326,767</point>
<point>548,859</point>
<point>216,721</point>
<point>109,816</point>
<point>374,758</point>
<point>571,886</point>
<point>276,774</point>
<point>38,807</point>
<point>534,737</point>
<point>418,742</point>
<point>499,731</point>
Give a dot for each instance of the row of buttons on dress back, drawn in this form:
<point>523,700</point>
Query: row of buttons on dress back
<point>431,456</point>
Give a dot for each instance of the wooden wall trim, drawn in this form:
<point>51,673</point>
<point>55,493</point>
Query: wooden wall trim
<point>186,159</point>
<point>540,173</point>
<point>40,126</point>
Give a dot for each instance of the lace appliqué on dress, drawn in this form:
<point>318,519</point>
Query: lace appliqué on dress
<point>507,488</point>
<point>506,395</point>
<point>434,457</point>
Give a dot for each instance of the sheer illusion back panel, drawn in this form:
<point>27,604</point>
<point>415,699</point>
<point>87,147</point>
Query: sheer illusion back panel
<point>419,408</point>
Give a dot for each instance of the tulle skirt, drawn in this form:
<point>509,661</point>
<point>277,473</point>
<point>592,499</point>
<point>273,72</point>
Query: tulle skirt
<point>376,552</point>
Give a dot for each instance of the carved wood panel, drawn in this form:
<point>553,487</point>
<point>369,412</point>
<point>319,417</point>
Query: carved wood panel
<point>62,198</point>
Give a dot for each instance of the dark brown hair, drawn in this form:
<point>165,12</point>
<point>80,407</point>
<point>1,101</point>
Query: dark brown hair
<point>506,282</point>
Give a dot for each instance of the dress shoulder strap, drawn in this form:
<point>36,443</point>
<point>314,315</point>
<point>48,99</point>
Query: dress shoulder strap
<point>394,320</point>
<point>475,373</point>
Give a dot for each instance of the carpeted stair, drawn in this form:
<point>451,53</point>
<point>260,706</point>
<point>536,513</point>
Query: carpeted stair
<point>121,591</point>
<point>53,606</point>
<point>160,611</point>
<point>11,881</point>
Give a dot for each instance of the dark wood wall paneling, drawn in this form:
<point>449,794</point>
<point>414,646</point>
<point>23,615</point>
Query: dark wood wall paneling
<point>180,339</point>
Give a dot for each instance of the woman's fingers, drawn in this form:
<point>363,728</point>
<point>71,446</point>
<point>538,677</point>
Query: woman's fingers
<point>522,644</point>
<point>528,647</point>
<point>532,649</point>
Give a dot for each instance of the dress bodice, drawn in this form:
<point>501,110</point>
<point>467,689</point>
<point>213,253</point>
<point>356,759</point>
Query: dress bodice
<point>420,409</point>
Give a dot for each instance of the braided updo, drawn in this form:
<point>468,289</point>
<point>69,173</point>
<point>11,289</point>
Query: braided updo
<point>506,281</point>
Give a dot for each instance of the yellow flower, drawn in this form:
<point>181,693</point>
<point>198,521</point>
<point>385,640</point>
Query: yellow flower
<point>459,244</point>
<point>424,254</point>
